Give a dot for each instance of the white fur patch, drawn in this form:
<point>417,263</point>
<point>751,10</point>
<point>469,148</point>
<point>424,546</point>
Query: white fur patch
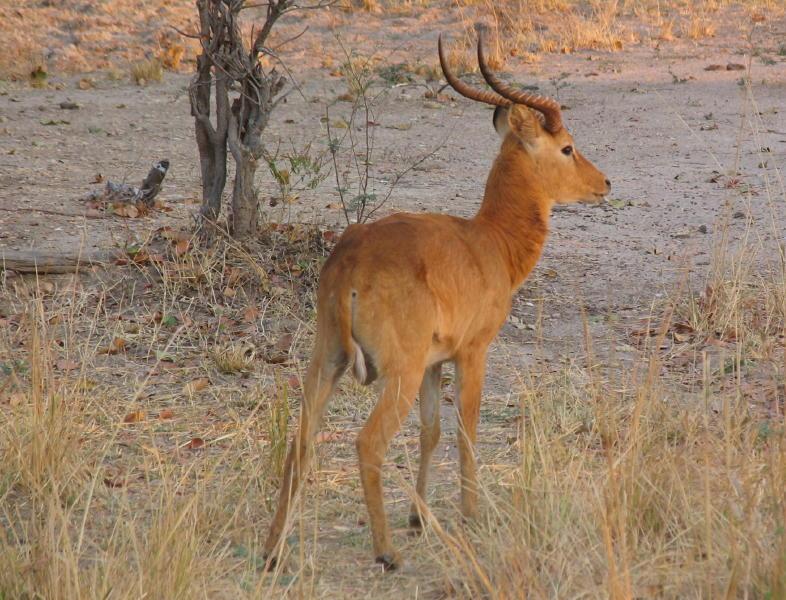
<point>359,364</point>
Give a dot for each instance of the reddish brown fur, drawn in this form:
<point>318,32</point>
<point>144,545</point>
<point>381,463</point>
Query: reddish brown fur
<point>410,292</point>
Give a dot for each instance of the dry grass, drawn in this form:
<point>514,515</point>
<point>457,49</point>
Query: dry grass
<point>76,36</point>
<point>108,36</point>
<point>698,27</point>
<point>625,489</point>
<point>135,468</point>
<point>526,28</point>
<point>147,71</point>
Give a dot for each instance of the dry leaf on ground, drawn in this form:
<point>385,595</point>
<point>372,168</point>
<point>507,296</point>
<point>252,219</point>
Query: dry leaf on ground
<point>250,314</point>
<point>195,386</point>
<point>167,413</point>
<point>181,247</point>
<point>327,436</point>
<point>66,365</point>
<point>115,481</point>
<point>117,345</point>
<point>134,417</point>
<point>195,443</point>
<point>125,210</point>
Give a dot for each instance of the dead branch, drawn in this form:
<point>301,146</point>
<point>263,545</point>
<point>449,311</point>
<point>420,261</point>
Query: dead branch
<point>34,261</point>
<point>185,34</point>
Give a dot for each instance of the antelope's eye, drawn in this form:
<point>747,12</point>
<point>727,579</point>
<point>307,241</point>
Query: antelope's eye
<point>567,150</point>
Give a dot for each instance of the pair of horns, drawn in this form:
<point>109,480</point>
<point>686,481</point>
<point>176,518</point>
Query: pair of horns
<point>503,94</point>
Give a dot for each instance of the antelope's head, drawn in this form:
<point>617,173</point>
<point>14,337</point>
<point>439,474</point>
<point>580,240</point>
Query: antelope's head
<point>533,124</point>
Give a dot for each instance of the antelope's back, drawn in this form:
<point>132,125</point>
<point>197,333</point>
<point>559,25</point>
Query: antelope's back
<point>410,262</point>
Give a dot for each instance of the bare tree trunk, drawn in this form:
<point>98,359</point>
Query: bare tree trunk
<point>245,199</point>
<point>209,154</point>
<point>219,150</point>
<point>211,141</point>
<point>250,115</point>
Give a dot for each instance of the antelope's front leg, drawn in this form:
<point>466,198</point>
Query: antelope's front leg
<point>470,371</point>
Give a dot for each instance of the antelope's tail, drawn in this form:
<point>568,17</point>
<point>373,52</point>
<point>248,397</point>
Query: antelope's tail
<point>346,313</point>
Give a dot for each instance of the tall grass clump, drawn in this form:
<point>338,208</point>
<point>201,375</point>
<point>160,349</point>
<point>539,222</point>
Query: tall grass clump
<point>105,492</point>
<point>625,490</point>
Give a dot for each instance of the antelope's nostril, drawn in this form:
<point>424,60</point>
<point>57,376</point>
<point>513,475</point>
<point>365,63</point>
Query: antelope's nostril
<point>608,183</point>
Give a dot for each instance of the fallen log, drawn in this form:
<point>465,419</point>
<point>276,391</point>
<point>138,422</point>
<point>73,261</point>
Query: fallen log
<point>35,261</point>
<point>79,214</point>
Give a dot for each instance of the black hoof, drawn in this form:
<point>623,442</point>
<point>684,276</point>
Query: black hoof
<point>270,562</point>
<point>388,562</point>
<point>415,522</point>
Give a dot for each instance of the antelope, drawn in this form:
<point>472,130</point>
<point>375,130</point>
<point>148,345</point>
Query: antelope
<point>401,296</point>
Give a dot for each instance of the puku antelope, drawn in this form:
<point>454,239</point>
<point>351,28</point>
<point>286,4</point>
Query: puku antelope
<point>399,297</point>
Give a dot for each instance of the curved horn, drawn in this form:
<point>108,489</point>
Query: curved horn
<point>548,107</point>
<point>467,90</point>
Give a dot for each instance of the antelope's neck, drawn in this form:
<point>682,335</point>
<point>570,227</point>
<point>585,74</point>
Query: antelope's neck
<point>515,215</point>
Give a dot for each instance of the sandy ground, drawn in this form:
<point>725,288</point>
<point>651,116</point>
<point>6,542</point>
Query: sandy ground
<point>673,138</point>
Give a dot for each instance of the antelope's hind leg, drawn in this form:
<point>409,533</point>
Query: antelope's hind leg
<point>321,379</point>
<point>394,404</point>
<point>429,399</point>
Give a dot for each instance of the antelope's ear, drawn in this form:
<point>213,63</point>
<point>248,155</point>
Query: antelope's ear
<point>501,121</point>
<point>524,123</point>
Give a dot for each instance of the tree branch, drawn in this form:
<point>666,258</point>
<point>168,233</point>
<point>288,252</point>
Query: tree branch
<point>193,36</point>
